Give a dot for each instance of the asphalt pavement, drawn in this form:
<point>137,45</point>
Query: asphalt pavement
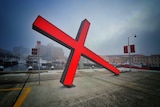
<point>93,88</point>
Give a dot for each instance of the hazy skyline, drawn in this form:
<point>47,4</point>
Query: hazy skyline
<point>112,22</point>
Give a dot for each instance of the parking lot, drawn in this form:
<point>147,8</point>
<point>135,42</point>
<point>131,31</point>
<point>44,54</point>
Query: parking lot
<point>93,88</point>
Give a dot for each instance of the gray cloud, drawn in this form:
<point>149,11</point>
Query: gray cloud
<point>111,23</point>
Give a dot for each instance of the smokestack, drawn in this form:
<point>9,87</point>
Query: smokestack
<point>38,44</point>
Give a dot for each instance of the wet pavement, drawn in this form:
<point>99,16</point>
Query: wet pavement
<point>93,88</point>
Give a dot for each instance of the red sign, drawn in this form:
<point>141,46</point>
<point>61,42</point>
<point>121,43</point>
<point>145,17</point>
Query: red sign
<point>76,45</point>
<point>34,51</point>
<point>132,48</point>
<point>125,49</point>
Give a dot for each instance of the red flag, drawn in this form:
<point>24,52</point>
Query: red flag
<point>132,47</point>
<point>125,49</point>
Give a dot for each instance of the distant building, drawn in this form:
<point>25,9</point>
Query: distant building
<point>49,55</point>
<point>115,59</point>
<point>152,60</point>
<point>50,52</point>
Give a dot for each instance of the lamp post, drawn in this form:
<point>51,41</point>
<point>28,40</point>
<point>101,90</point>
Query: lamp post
<point>39,63</point>
<point>129,51</point>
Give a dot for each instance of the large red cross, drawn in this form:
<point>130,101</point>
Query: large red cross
<point>76,45</point>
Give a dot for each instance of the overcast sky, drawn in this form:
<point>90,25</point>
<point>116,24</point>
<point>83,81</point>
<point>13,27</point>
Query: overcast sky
<point>112,22</point>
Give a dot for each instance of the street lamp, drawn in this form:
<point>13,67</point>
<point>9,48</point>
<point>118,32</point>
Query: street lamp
<point>129,51</point>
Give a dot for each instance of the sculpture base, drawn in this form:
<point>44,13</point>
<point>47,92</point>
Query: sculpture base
<point>69,86</point>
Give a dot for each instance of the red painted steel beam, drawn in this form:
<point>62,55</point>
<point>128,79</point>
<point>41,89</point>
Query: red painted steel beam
<point>76,45</point>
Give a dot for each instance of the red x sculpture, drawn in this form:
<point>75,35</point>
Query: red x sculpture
<point>76,45</point>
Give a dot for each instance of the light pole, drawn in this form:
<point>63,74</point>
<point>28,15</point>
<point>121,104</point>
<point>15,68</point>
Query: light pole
<point>39,64</point>
<point>129,51</point>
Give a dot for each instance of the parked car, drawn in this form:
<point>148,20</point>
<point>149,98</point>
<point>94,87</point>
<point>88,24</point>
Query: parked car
<point>30,68</point>
<point>52,67</point>
<point>1,68</point>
